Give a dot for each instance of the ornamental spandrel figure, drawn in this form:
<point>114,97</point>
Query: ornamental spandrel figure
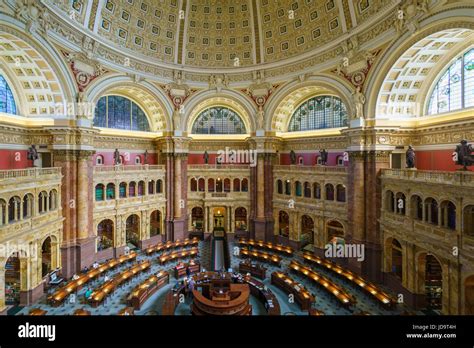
<point>116,157</point>
<point>324,156</point>
<point>465,157</point>
<point>292,157</point>
<point>410,157</point>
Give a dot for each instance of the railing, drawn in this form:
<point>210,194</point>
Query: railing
<point>317,168</point>
<point>122,168</point>
<point>217,166</point>
<point>462,178</point>
<point>29,173</point>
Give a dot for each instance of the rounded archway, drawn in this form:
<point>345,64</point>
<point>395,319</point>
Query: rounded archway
<point>430,280</point>
<point>241,219</point>
<point>283,224</point>
<point>105,235</point>
<point>307,230</point>
<point>197,219</point>
<point>12,280</point>
<point>155,223</point>
<point>335,232</point>
<point>46,257</point>
<point>132,230</point>
<point>469,295</point>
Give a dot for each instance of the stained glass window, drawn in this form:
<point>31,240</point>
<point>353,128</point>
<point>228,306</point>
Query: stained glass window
<point>121,113</point>
<point>7,102</point>
<point>218,120</point>
<point>454,90</point>
<point>318,113</point>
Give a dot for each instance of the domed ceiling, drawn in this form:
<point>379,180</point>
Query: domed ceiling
<point>221,33</point>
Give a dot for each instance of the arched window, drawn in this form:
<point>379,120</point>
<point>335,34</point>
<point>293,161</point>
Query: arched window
<point>316,190</point>
<point>431,211</point>
<point>210,185</point>
<point>159,186</point>
<point>329,192</point>
<point>99,160</point>
<point>468,216</point>
<point>284,223</point>
<point>99,192</point>
<point>448,215</point>
<point>202,185</point>
<point>341,193</point>
<point>307,190</point>
<point>245,185</point>
<point>193,185</point>
<point>298,188</point>
<point>42,202</point>
<point>155,223</point>
<point>318,113</point>
<point>151,187</point>
<point>118,112</point>
<point>28,201</point>
<point>141,188</point>
<point>280,187</point>
<point>132,189</point>
<point>110,191</point>
<point>53,199</point>
<point>389,201</point>
<point>3,212</point>
<point>335,232</point>
<point>218,120</point>
<point>241,219</point>
<point>400,207</point>
<point>105,234</point>
<point>7,102</point>
<point>287,187</point>
<point>123,190</point>
<point>236,185</point>
<point>226,185</point>
<point>14,209</point>
<point>454,89</point>
<point>219,185</point>
<point>416,207</point>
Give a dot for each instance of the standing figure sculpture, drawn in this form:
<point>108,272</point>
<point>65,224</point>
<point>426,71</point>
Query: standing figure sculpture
<point>410,157</point>
<point>465,157</point>
<point>145,157</point>
<point>206,157</point>
<point>359,101</point>
<point>32,154</point>
<point>292,157</point>
<point>324,156</point>
<point>116,157</point>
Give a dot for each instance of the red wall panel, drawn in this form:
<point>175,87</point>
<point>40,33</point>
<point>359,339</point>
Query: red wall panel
<point>436,160</point>
<point>14,159</point>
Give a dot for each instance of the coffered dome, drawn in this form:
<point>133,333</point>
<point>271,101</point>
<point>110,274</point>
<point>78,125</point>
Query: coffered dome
<point>221,33</point>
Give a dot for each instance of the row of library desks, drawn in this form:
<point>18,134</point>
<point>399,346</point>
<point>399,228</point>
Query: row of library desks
<point>109,287</point>
<point>339,293</point>
<point>81,312</point>
<point>126,311</point>
<point>165,246</point>
<point>261,256</point>
<point>143,291</point>
<point>370,289</point>
<point>37,311</point>
<point>255,270</point>
<point>304,298</point>
<point>259,290</point>
<point>260,244</point>
<point>176,255</point>
<point>74,285</point>
<point>180,269</point>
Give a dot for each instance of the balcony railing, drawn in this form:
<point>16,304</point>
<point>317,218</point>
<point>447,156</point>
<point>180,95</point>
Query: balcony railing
<point>217,166</point>
<point>131,168</point>
<point>312,169</point>
<point>29,173</point>
<point>461,178</point>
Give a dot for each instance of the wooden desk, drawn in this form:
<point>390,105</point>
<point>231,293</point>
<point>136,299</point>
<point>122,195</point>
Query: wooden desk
<point>304,298</point>
<point>269,299</point>
<point>143,291</point>
<point>254,270</point>
<point>175,255</point>
<point>81,312</point>
<point>165,246</point>
<point>109,287</point>
<point>370,289</point>
<point>74,285</point>
<point>180,269</point>
<point>215,299</point>
<point>126,311</point>
<point>315,312</point>
<point>261,255</point>
<point>260,244</point>
<point>37,311</point>
<point>343,297</point>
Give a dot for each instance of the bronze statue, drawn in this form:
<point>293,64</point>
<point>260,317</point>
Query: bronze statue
<point>292,157</point>
<point>32,154</point>
<point>116,157</point>
<point>464,154</point>
<point>145,157</point>
<point>410,157</point>
<point>324,156</point>
<point>206,157</point>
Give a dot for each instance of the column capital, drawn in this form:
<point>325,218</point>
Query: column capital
<point>72,155</point>
<point>270,144</point>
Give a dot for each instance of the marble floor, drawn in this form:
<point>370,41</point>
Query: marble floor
<point>117,301</point>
